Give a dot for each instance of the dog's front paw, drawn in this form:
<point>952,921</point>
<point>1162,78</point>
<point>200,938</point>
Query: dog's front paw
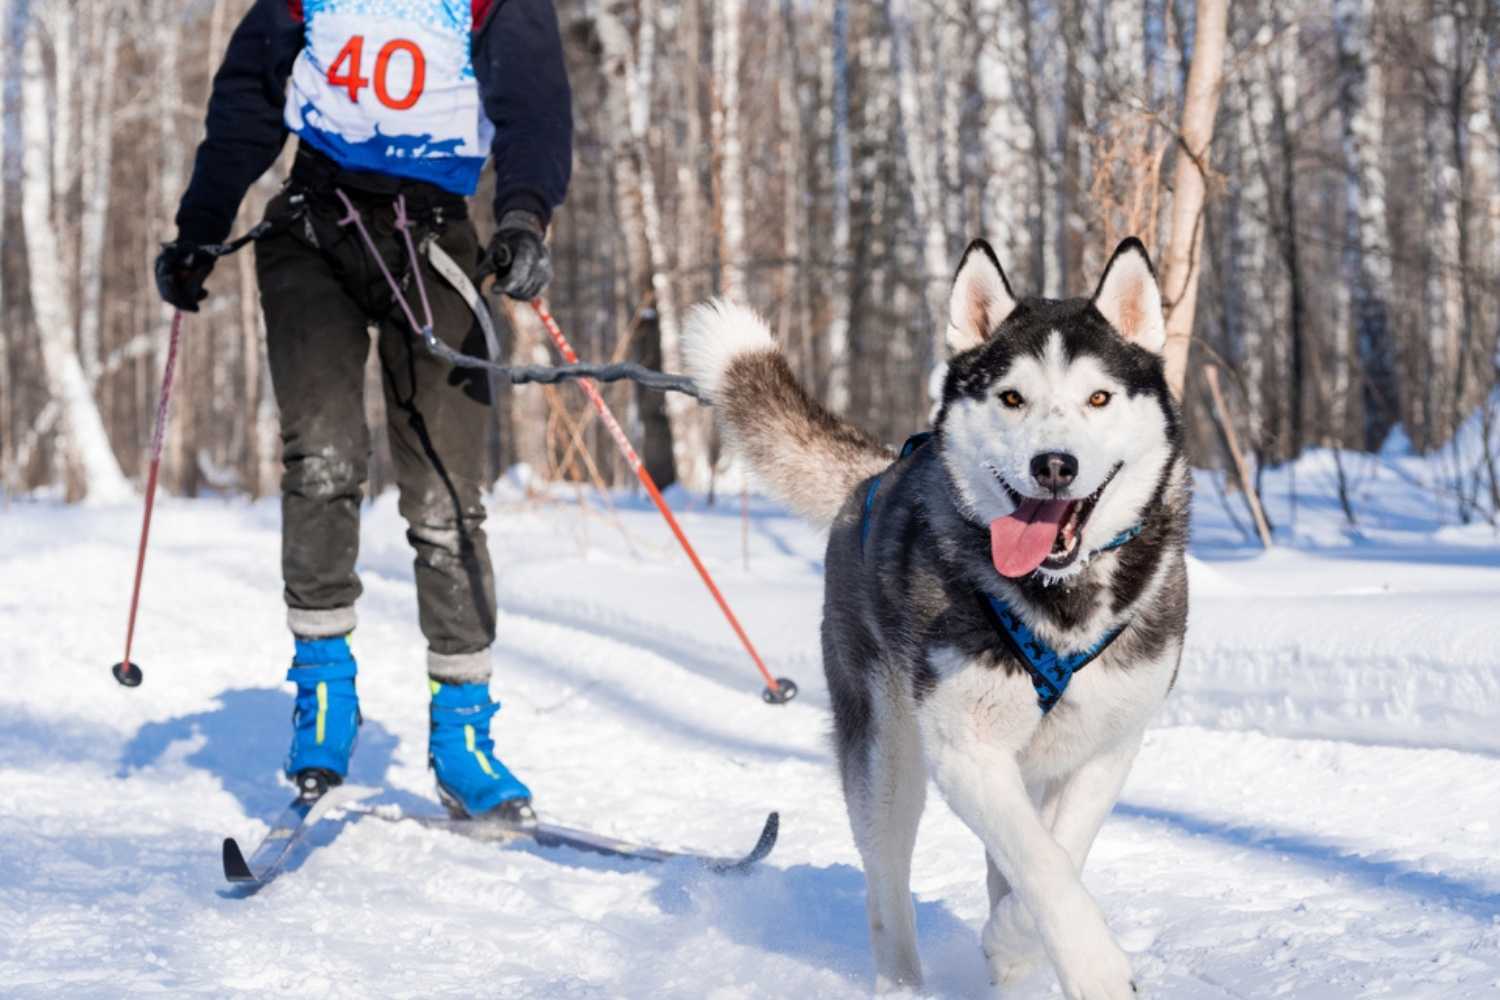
<point>894,988</point>
<point>1012,948</point>
<point>1096,969</point>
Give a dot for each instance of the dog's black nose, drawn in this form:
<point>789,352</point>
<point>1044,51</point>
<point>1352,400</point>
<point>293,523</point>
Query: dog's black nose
<point>1054,470</point>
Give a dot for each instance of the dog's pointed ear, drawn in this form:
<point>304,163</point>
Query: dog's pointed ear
<point>980,300</point>
<point>1129,298</point>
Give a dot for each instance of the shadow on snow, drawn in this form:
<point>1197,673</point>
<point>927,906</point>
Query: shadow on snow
<point>1474,898</point>
<point>243,742</point>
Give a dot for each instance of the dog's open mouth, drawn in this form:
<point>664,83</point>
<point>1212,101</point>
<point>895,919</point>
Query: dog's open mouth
<point>1040,533</point>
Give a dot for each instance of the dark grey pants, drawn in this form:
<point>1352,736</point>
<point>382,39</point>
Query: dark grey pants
<point>320,292</point>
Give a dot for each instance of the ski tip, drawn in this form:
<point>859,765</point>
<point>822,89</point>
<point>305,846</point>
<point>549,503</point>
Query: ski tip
<point>763,847</point>
<point>768,835</point>
<point>235,868</point>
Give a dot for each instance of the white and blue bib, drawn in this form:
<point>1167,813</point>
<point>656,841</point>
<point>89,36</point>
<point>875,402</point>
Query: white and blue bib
<point>388,86</point>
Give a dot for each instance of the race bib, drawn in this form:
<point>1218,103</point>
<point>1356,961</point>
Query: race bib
<point>388,86</point>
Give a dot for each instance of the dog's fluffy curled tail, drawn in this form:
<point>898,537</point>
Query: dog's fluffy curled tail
<point>807,457</point>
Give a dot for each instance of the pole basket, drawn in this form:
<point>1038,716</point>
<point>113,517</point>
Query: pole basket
<point>128,674</point>
<point>784,691</point>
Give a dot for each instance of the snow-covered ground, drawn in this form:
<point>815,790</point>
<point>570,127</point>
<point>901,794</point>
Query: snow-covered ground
<point>1316,816</point>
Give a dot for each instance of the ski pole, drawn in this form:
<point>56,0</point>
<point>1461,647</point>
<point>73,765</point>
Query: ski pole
<point>779,690</point>
<point>125,672</point>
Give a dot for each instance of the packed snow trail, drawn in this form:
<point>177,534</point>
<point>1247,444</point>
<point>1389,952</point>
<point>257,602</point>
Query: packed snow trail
<point>1243,861</point>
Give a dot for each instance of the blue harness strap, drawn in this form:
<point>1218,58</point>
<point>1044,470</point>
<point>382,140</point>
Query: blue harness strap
<point>1050,670</point>
<point>912,444</point>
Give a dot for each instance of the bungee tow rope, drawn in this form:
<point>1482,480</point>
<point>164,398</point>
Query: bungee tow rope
<point>620,371</point>
<point>778,690</point>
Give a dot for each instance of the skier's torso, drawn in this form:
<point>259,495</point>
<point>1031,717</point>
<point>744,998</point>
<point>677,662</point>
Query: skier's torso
<point>388,86</point>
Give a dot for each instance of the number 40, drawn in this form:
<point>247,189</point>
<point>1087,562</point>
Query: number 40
<point>345,71</point>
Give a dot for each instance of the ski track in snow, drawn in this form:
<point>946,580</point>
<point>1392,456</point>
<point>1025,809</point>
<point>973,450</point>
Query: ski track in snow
<point>1315,816</point>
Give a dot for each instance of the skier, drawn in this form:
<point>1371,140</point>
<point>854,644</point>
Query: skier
<point>396,104</point>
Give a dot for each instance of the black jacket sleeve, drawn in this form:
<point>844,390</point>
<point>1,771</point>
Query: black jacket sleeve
<point>518,60</point>
<point>245,129</point>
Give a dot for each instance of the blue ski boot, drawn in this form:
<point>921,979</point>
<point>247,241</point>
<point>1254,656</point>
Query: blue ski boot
<point>326,718</point>
<point>471,781</point>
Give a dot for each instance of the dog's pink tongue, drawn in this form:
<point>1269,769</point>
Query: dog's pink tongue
<point>1020,542</point>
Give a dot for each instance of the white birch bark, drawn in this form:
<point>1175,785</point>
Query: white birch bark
<point>1365,261</point>
<point>60,18</point>
<point>730,146</point>
<point>922,161</point>
<point>631,65</point>
<point>1182,266</point>
<point>1282,89</point>
<point>689,427</point>
<point>950,66</point>
<point>84,441</point>
<point>12,471</point>
<point>1254,252</point>
<point>97,155</point>
<point>838,295</point>
<point>1007,137</point>
<point>1441,298</point>
<point>789,108</point>
<point>166,16</point>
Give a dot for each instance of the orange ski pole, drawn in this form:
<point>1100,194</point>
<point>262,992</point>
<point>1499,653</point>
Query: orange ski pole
<point>125,672</point>
<point>779,690</point>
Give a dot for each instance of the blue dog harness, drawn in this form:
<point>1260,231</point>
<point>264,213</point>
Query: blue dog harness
<point>1050,670</point>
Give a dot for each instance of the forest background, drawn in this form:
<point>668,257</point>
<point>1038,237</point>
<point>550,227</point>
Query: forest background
<point>1318,182</point>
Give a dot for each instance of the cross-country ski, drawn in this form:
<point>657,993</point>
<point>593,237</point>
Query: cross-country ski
<point>288,833</point>
<point>551,835</point>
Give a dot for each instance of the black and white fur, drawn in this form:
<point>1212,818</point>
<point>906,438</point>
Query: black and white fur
<point>920,681</point>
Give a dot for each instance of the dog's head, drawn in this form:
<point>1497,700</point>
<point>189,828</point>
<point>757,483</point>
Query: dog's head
<point>1056,422</point>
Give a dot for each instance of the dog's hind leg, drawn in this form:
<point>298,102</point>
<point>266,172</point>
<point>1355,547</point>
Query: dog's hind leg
<point>885,788</point>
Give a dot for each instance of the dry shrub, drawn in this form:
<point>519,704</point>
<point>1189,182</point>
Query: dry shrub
<point>1126,185</point>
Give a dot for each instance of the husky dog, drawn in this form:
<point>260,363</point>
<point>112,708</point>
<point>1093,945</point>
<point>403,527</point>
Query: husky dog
<point>1043,523</point>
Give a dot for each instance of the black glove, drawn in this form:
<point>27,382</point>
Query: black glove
<point>181,270</point>
<point>519,258</point>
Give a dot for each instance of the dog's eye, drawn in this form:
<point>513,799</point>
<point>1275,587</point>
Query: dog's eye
<point>1011,398</point>
<point>1100,398</point>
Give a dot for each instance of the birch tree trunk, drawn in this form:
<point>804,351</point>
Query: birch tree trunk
<point>1254,255</point>
<point>1182,267</point>
<point>10,475</point>
<point>1365,261</point>
<point>921,149</point>
<point>178,465</point>
<point>1071,131</point>
<point>1035,116</point>
<point>689,426</point>
<point>791,325</point>
<point>729,147</point>
<point>1441,298</point>
<point>85,445</point>
<point>61,22</point>
<point>629,65</point>
<point>1007,137</point>
<point>838,285</point>
<point>96,152</point>
<point>1282,90</point>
